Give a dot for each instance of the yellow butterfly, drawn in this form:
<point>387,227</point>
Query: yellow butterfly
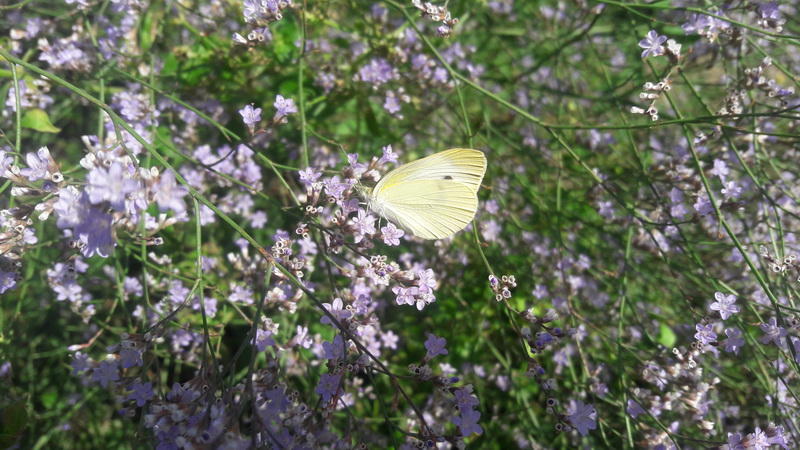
<point>433,197</point>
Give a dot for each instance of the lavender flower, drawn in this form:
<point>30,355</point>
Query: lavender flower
<point>772,333</point>
<point>251,116</point>
<point>705,334</point>
<point>112,185</point>
<point>391,234</point>
<point>283,107</point>
<point>328,386</point>
<point>652,44</point>
<point>435,346</point>
<point>725,305</point>
<point>734,342</point>
<point>582,416</point>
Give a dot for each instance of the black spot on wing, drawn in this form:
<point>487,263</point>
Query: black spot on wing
<point>448,177</point>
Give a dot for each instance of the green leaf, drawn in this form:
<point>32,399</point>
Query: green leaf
<point>149,28</point>
<point>170,67</point>
<point>666,336</point>
<point>284,36</point>
<point>37,119</point>
<point>13,420</point>
<point>49,398</point>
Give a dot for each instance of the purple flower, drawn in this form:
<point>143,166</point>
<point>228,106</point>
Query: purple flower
<point>720,169</point>
<point>328,386</point>
<point>389,156</point>
<point>377,71</point>
<point>357,167</point>
<point>258,219</point>
<point>731,190</point>
<point>264,339</point>
<point>703,205</point>
<point>581,416</point>
<point>80,363</point>
<point>106,373</point>
<point>169,194</point>
<point>8,280</point>
<point>725,305</point>
<point>389,339</point>
<point>652,44</point>
<point>141,393</point>
<point>634,409</point>
<point>181,339</point>
<point>302,338</point>
<point>391,104</point>
<point>435,346</point>
<point>91,226</point>
<point>391,234</point>
<point>209,304</point>
<point>130,356</point>
<point>734,342</point>
<point>678,210</point>
<point>758,440</point>
<point>5,369</point>
<point>111,185</point>
<point>37,164</point>
<point>427,282</point>
<point>284,107</point>
<point>334,350</point>
<point>734,442</point>
<point>251,116</point>
<point>309,176</point>
<point>365,225</point>
<point>705,334</point>
<point>241,294</point>
<point>772,333</point>
<point>404,296</point>
<point>464,397</point>
<point>467,422</point>
<point>337,310</point>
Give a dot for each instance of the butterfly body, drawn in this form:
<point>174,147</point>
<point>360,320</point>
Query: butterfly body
<point>433,197</point>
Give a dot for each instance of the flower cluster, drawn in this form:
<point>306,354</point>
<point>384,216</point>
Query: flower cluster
<point>437,14</point>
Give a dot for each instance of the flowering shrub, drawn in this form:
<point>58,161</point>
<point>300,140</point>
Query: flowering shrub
<point>188,260</point>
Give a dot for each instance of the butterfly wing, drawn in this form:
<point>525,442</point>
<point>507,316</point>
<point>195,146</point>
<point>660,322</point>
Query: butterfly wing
<point>463,165</point>
<point>430,209</point>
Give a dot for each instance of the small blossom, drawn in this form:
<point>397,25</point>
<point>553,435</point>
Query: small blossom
<point>467,422</point>
<point>734,342</point>
<point>725,305</point>
<point>141,393</point>
<point>365,225</point>
<point>581,416</point>
<point>251,116</point>
<point>772,333</point>
<point>705,334</point>
<point>391,234</point>
<point>284,107</point>
<point>652,44</point>
<point>388,156</point>
<point>435,346</point>
<point>309,176</point>
<point>634,409</point>
<point>328,386</point>
<point>112,185</point>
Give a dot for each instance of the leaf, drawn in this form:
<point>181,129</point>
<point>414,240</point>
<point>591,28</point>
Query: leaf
<point>149,28</point>
<point>37,119</point>
<point>666,336</point>
<point>13,420</point>
<point>49,398</point>
<point>284,36</point>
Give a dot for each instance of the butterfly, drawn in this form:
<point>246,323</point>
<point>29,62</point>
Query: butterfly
<point>433,197</point>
